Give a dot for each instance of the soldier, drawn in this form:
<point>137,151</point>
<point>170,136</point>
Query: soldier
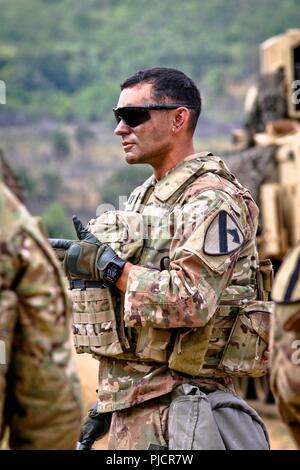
<point>285,342</point>
<point>40,393</point>
<point>180,300</point>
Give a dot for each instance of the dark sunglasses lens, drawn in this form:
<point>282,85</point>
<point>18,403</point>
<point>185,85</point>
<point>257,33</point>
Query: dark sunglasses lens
<point>117,116</point>
<point>132,117</point>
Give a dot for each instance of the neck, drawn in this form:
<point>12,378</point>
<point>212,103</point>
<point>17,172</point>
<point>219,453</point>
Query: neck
<point>172,159</point>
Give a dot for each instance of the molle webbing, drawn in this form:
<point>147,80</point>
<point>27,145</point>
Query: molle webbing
<point>94,322</point>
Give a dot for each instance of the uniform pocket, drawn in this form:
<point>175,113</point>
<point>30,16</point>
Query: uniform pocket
<point>153,343</point>
<point>246,351</point>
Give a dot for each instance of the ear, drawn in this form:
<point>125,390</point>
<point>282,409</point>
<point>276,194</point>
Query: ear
<point>180,119</point>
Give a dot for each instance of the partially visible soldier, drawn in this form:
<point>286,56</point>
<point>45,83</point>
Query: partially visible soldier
<point>285,342</point>
<point>40,397</point>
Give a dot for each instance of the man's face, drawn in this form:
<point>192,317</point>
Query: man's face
<point>151,141</point>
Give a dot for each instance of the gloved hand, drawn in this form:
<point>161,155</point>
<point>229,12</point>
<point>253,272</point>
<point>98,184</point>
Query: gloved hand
<point>89,259</point>
<point>95,425</point>
<point>60,246</point>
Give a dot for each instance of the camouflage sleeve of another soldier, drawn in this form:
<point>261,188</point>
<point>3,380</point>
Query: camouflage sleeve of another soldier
<point>40,394</point>
<point>285,342</point>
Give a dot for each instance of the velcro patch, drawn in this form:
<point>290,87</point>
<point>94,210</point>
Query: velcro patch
<point>223,235</point>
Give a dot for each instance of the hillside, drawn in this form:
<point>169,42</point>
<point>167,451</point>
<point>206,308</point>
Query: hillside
<point>71,169</point>
<point>66,58</point>
<point>62,62</point>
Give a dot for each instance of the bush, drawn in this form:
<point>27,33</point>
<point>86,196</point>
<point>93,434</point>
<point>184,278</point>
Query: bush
<point>57,222</point>
<point>123,182</point>
<point>61,143</point>
<point>83,135</point>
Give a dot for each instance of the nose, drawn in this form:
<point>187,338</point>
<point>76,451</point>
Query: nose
<point>122,128</point>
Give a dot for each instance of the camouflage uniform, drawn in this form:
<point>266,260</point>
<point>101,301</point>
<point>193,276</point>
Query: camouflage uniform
<point>40,393</point>
<point>176,287</point>
<point>285,342</point>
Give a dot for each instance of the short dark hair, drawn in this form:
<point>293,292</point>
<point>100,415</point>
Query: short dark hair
<point>169,83</point>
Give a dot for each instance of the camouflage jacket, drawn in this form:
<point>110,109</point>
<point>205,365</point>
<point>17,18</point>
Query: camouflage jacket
<point>285,341</point>
<point>187,263</point>
<point>40,397</point>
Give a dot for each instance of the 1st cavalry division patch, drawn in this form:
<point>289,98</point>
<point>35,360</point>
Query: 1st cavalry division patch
<point>223,235</point>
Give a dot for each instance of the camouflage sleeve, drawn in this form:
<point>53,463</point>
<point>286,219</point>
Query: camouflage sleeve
<point>43,400</point>
<point>188,293</point>
<point>8,317</point>
<point>285,370</point>
<point>285,342</point>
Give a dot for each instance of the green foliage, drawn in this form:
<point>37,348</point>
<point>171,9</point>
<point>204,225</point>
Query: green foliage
<point>41,187</point>
<point>123,182</point>
<point>66,58</point>
<point>57,222</point>
<point>27,181</point>
<point>83,135</point>
<point>61,143</point>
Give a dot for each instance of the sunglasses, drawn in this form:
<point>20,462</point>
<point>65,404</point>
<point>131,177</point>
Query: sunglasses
<point>135,115</point>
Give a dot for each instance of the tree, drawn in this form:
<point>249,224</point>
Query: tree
<point>57,222</point>
<point>61,143</point>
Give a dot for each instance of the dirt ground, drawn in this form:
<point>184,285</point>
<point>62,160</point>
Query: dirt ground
<point>88,370</point>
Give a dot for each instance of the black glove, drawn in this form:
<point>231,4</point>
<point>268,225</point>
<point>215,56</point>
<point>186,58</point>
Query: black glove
<point>94,426</point>
<point>60,243</point>
<point>89,259</point>
<point>60,246</point>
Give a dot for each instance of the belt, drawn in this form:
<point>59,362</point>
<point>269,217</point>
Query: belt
<point>83,285</point>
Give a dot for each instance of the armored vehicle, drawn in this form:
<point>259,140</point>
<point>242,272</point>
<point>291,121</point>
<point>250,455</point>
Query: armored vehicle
<point>267,159</point>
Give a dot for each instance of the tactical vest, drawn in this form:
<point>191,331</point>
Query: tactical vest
<point>98,326</point>
<point>234,341</point>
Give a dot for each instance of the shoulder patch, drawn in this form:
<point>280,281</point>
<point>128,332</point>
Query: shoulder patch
<point>223,235</point>
<point>286,289</point>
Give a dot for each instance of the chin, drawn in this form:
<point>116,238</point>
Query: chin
<point>131,159</point>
